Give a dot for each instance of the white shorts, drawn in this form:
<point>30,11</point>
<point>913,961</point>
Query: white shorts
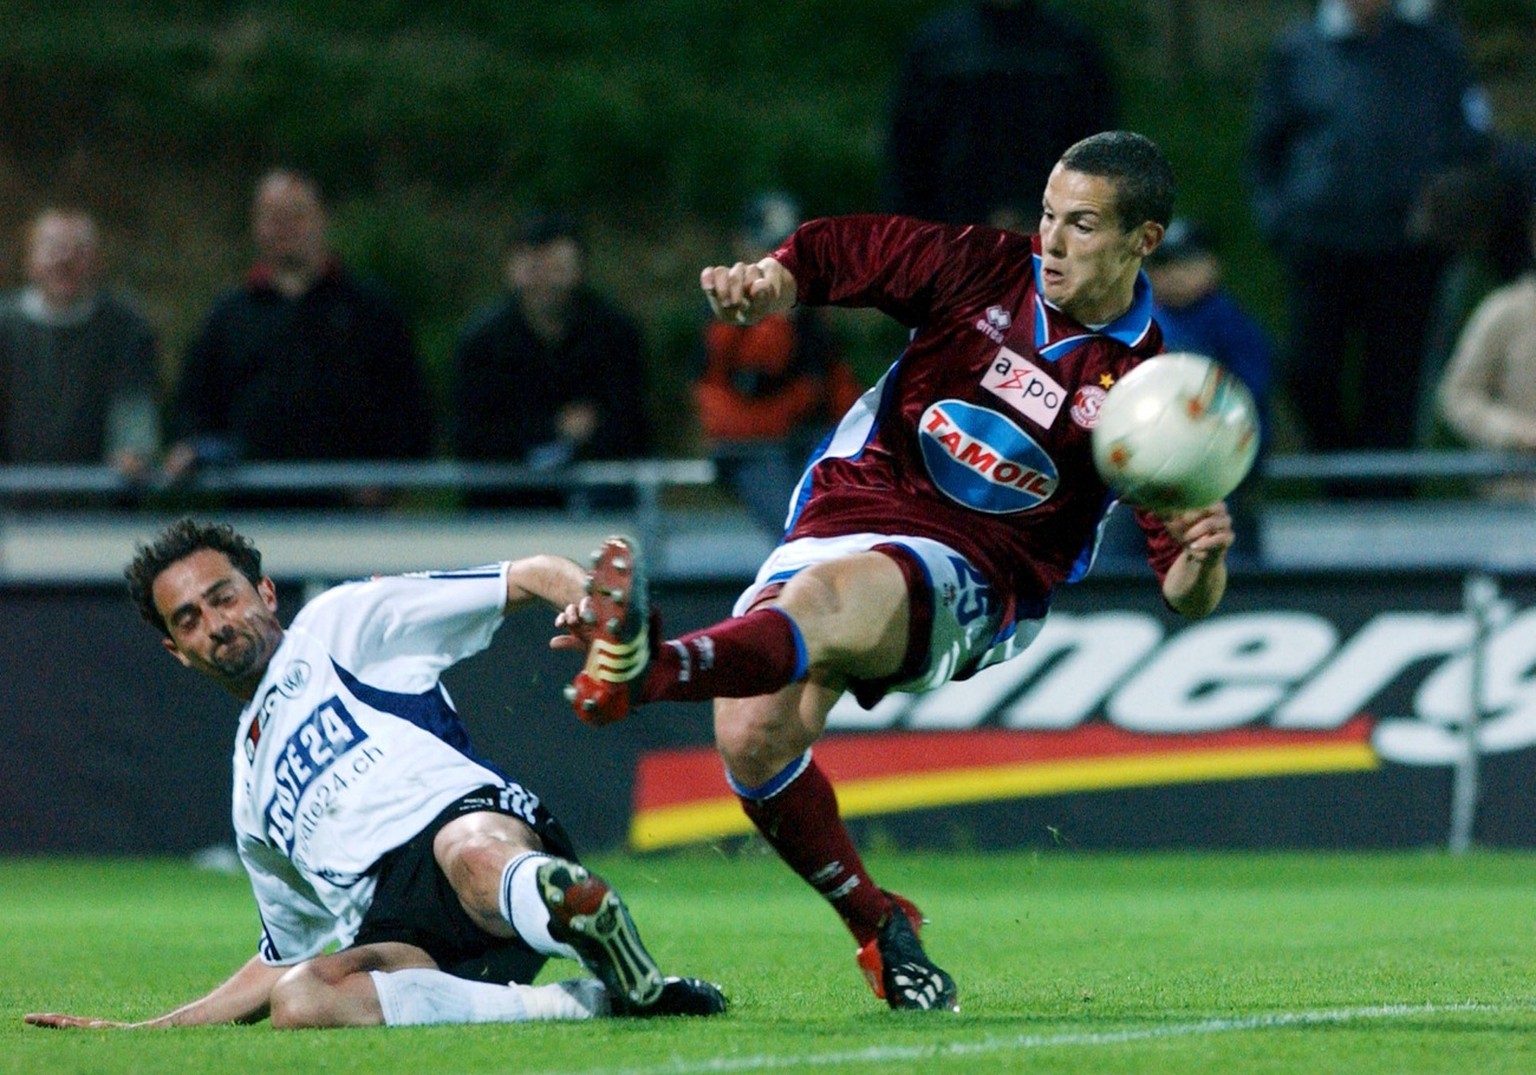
<point>967,631</point>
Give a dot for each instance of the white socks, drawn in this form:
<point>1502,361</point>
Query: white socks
<point>523,907</point>
<point>419,996</point>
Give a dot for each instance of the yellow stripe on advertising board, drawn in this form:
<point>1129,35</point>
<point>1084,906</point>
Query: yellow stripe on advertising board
<point>671,826</point>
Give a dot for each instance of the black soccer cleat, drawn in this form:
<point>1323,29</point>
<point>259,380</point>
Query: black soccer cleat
<point>912,982</point>
<point>588,915</point>
<point>680,996</point>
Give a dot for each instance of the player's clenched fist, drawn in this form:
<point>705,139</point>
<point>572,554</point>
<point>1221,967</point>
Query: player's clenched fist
<point>744,294</point>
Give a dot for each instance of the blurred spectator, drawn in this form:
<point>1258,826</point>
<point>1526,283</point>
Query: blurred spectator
<point>767,393</point>
<point>1197,313</point>
<point>302,360</point>
<point>1488,395</point>
<point>550,373</point>
<point>990,94</point>
<point>1355,111</point>
<point>78,382</point>
<point>1473,213</point>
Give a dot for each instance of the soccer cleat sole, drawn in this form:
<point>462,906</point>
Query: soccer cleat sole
<point>589,916</point>
<point>619,653</point>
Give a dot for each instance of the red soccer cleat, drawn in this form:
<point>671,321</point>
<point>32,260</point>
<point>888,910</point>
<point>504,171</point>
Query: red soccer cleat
<point>620,650</point>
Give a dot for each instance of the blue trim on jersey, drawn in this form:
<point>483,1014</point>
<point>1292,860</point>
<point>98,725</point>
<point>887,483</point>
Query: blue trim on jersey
<point>774,784</point>
<point>859,421</point>
<point>1085,559</point>
<point>1130,328</point>
<point>428,711</point>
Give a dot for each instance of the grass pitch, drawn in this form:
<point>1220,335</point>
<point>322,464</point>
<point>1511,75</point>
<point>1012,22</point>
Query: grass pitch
<point>1067,962</point>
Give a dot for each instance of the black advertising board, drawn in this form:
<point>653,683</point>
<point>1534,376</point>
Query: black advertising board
<point>1313,711</point>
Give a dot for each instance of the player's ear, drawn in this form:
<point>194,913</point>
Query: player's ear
<point>171,648</point>
<point>268,591</point>
<point>1148,237</point>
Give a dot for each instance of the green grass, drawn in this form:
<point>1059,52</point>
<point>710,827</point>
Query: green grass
<point>1067,963</point>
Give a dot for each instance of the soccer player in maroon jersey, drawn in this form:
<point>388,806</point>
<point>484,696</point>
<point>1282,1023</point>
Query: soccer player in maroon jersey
<point>926,539</point>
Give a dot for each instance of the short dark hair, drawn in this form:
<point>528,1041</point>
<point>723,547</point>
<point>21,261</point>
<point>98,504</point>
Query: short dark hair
<point>1142,176</point>
<point>177,542</point>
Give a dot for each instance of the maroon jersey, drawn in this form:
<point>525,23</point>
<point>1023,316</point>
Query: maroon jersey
<point>978,435</point>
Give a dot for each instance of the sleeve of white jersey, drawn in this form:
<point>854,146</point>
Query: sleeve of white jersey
<point>400,632</point>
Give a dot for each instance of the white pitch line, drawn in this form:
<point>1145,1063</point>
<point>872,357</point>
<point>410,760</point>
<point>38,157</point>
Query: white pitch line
<point>1024,1042</point>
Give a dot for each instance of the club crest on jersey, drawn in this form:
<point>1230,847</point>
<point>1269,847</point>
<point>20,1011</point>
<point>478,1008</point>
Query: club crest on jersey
<point>1024,386</point>
<point>1086,402</point>
<point>294,679</point>
<point>980,458</point>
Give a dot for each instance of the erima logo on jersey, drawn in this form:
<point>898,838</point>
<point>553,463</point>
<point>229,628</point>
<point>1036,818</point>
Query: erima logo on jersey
<point>979,458</point>
<point>994,323</point>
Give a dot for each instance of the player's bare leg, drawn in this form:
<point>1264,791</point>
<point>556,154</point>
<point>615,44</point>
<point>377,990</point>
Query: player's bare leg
<point>337,989</point>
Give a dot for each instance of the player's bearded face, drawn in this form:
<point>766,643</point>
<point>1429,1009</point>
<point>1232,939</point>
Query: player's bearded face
<point>239,650</point>
<point>220,623</point>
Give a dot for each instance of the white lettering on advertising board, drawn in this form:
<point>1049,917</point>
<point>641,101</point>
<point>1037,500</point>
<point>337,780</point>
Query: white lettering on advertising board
<point>1282,669</point>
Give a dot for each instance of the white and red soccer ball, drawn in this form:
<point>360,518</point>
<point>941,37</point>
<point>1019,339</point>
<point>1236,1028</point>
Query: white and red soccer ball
<point>1179,431</point>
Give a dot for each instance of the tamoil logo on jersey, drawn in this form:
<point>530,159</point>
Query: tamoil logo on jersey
<point>981,459</point>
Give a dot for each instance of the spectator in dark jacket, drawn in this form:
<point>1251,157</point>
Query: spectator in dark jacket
<point>1355,111</point>
<point>302,360</point>
<point>550,373</point>
<point>989,96</point>
<point>78,381</point>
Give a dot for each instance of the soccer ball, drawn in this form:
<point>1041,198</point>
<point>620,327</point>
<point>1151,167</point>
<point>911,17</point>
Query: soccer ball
<point>1179,431</point>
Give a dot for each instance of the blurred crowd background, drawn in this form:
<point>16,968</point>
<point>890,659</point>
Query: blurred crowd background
<point>436,136</point>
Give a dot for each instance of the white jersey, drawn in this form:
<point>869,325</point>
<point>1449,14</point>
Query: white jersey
<point>351,746</point>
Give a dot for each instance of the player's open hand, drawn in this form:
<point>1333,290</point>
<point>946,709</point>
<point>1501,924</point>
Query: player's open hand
<point>59,1021</point>
<point>743,294</point>
<point>574,622</point>
<point>1205,533</point>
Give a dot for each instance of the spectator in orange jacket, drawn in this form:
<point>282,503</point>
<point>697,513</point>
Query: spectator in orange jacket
<point>767,393</point>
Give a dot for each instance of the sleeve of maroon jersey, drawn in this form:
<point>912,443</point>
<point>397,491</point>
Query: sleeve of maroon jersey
<point>1162,550</point>
<point>898,265</point>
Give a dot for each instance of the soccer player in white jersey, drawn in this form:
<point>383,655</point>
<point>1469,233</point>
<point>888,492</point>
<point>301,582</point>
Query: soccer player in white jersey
<point>400,879</point>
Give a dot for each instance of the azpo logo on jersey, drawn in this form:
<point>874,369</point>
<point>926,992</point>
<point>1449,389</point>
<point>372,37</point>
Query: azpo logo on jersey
<point>981,459</point>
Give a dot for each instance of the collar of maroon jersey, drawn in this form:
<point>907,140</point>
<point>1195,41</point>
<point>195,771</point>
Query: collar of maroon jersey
<point>1130,328</point>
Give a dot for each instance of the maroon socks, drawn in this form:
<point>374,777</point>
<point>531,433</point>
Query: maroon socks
<point>797,814</point>
<point>758,653</point>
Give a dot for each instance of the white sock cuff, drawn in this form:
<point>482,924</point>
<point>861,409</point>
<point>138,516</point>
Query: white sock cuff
<point>523,908</point>
<point>422,996</point>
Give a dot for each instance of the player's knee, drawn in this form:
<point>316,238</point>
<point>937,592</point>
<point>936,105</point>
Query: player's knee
<point>474,867</point>
<point>751,741</point>
<point>302,998</point>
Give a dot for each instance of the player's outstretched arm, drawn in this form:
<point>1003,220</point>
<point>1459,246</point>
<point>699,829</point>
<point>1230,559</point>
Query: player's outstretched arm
<point>1195,583</point>
<point>744,294</point>
<point>243,998</point>
<point>554,580</point>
